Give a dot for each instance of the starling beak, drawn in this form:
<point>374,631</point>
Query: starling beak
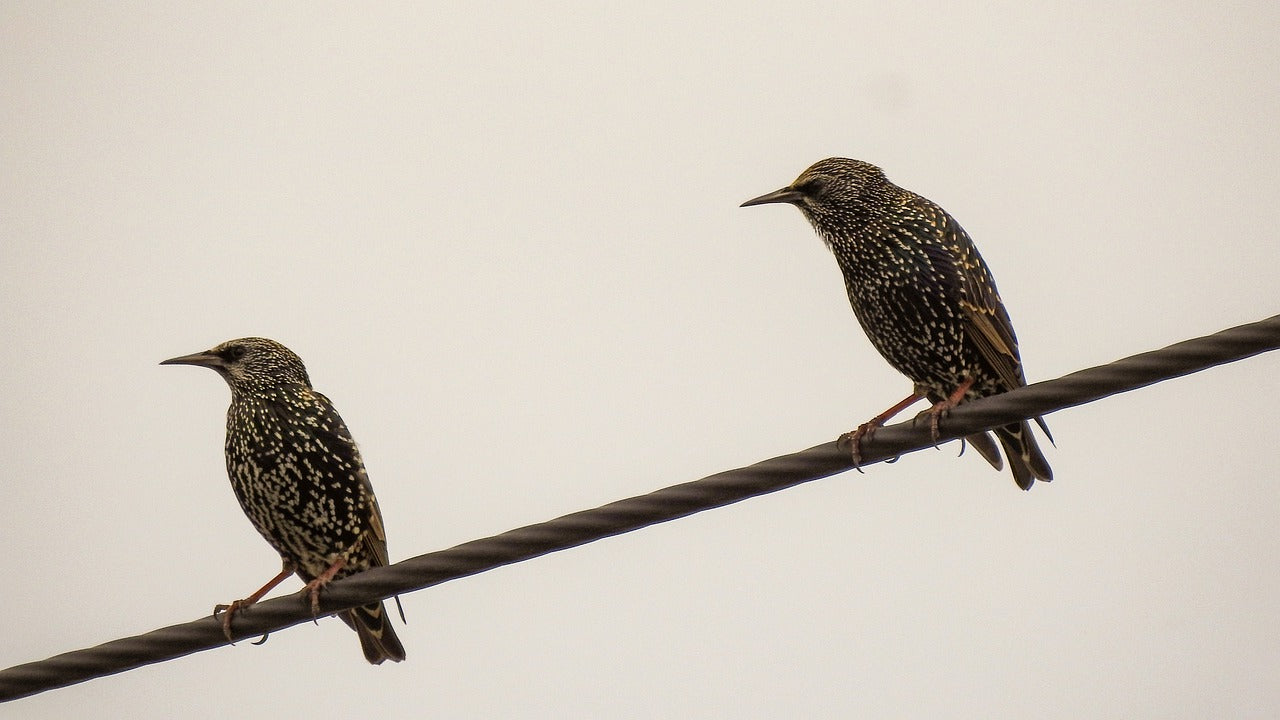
<point>203,359</point>
<point>300,480</point>
<point>785,195</point>
<point>924,297</point>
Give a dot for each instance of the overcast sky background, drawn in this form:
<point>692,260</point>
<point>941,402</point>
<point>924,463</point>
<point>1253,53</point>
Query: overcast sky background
<point>507,244</point>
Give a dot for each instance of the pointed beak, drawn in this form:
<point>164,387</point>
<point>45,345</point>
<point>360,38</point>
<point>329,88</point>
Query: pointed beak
<point>203,359</point>
<point>785,195</point>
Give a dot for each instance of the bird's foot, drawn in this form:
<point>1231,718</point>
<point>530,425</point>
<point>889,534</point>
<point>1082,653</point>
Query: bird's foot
<point>313,593</point>
<point>933,415</point>
<point>853,440</point>
<point>314,587</point>
<point>943,408</point>
<point>227,612</point>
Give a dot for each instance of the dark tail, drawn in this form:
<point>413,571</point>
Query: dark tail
<point>377,638</point>
<point>1025,459</point>
<point>986,447</point>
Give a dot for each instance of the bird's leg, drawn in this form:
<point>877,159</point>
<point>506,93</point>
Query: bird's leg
<point>313,587</point>
<point>854,438</point>
<point>943,407</point>
<point>229,610</point>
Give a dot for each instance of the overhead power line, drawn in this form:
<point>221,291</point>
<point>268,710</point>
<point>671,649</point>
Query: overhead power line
<point>663,505</point>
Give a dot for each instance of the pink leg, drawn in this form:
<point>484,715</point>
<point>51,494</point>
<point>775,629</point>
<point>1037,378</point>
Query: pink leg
<point>854,438</point>
<point>230,610</point>
<point>942,408</point>
<point>313,587</point>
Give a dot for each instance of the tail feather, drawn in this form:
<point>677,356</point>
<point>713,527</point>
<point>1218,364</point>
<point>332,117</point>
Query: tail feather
<point>1025,459</point>
<point>377,637</point>
<point>986,447</point>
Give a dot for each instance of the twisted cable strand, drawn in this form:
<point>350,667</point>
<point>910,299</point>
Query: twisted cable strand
<point>630,514</point>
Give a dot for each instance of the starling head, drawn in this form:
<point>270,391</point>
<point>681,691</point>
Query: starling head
<point>250,364</point>
<point>834,192</point>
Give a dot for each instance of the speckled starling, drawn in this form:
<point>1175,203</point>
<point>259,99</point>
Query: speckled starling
<point>923,295</point>
<point>299,477</point>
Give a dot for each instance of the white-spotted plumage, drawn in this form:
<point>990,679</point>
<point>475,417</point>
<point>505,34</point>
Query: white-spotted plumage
<point>922,293</point>
<point>299,477</point>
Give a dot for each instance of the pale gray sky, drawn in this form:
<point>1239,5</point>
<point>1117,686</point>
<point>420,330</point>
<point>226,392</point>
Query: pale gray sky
<point>507,243</point>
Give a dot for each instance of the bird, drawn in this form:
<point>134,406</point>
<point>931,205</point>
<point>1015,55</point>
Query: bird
<point>925,298</point>
<point>301,481</point>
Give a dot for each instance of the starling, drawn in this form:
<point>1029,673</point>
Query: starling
<point>924,297</point>
<point>299,477</point>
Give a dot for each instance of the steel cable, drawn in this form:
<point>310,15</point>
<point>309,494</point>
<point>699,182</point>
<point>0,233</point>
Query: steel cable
<point>663,505</point>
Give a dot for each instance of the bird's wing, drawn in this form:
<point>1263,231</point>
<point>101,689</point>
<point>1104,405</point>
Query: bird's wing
<point>375,536</point>
<point>985,319</point>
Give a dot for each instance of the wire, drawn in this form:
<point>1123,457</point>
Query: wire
<point>663,505</point>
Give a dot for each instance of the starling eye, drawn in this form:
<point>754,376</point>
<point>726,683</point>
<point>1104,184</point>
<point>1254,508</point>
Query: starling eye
<point>233,353</point>
<point>813,187</point>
